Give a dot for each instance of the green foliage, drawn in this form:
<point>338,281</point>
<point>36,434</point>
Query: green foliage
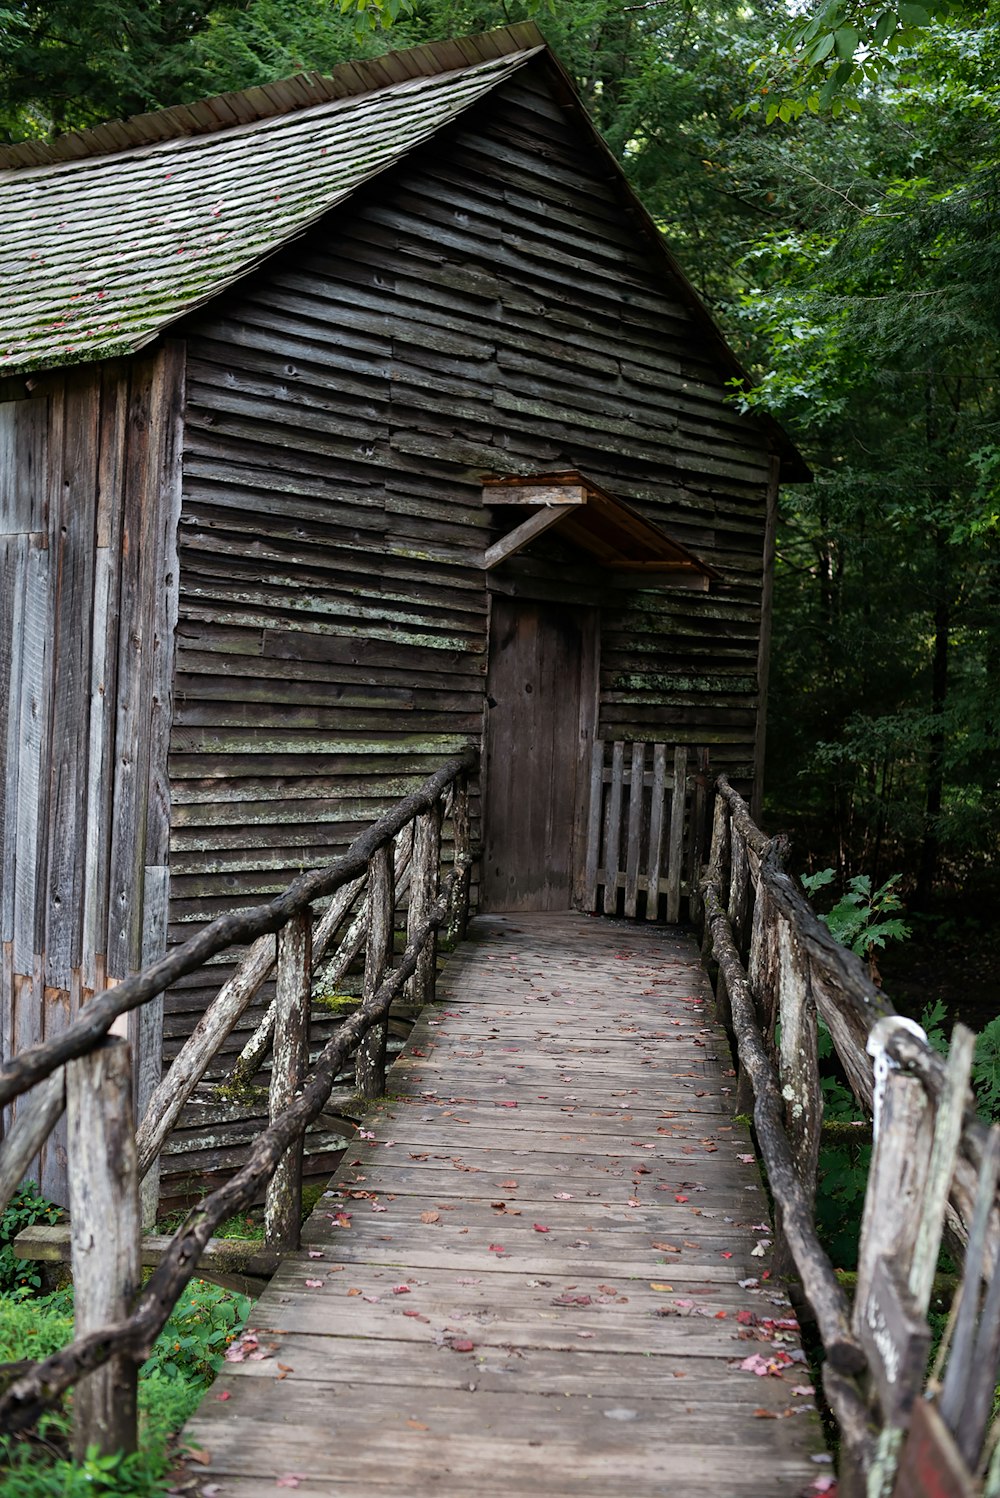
<point>827,55</point>
<point>985,1061</point>
<point>25,1208</point>
<point>183,1363</point>
<point>29,1474</point>
<point>986,1071</point>
<point>842,1178</point>
<point>862,918</point>
<point>932,1021</point>
<point>379,12</point>
<point>33,1326</point>
<point>201,1326</point>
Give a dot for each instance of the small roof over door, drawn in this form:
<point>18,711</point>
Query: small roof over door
<point>611,531</point>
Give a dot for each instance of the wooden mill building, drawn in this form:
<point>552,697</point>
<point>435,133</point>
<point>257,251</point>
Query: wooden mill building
<point>344,421</point>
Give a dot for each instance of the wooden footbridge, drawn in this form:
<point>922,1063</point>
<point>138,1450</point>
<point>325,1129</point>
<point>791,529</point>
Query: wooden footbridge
<point>547,1261</point>
<point>525,1276</point>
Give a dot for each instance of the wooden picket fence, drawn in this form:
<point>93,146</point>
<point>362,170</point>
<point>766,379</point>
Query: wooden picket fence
<point>907,1430</point>
<point>646,828</point>
<point>87,1071</point>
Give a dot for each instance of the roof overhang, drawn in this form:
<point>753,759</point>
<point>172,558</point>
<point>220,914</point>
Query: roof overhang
<point>614,534</point>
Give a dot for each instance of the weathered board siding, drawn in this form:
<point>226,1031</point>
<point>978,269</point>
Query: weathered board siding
<point>89,493</point>
<point>488,307</point>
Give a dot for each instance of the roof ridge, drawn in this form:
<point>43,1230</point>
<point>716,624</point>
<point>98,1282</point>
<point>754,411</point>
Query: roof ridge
<point>351,79</point>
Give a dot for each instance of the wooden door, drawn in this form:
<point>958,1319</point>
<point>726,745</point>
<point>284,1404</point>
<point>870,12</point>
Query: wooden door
<point>541,695</point>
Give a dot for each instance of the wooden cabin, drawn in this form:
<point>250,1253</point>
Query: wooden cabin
<point>345,421</point>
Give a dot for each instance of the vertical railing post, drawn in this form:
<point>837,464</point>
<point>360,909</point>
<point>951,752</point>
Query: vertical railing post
<point>424,875</point>
<point>696,839</point>
<point>737,905</point>
<point>381,898</point>
<point>461,822</point>
<point>798,1066</point>
<point>896,1180</point>
<point>283,1206</point>
<point>718,862</point>
<point>105,1236</point>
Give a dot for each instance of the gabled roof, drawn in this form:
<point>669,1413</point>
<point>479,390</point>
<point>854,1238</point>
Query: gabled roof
<point>110,235</point>
<point>136,224</point>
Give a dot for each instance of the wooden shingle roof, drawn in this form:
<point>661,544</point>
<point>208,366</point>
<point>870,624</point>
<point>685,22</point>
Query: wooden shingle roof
<point>110,235</point>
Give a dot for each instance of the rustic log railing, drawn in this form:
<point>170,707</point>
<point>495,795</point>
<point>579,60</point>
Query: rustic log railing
<point>933,1173</point>
<point>87,1070</point>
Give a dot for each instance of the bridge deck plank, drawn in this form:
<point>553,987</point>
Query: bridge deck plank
<point>556,1179</point>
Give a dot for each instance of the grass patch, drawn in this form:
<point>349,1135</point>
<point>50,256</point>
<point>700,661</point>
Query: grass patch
<point>172,1381</point>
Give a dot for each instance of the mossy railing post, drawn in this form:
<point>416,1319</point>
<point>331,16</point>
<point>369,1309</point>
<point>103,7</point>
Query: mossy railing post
<point>423,894</point>
<point>106,1236</point>
<point>381,895</point>
<point>283,1207</point>
<point>718,860</point>
<point>738,905</point>
<point>461,822</point>
<point>798,1067</point>
<point>699,812</point>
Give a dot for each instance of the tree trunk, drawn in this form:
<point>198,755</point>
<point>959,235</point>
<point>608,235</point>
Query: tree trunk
<point>930,847</point>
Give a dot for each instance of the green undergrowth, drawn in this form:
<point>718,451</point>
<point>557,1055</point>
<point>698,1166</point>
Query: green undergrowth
<point>246,1225</point>
<point>172,1381</point>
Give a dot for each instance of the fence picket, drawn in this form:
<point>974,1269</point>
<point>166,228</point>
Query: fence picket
<point>613,828</point>
<point>675,843</point>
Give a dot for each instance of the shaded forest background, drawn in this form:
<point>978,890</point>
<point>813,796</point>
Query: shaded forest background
<point>836,201</point>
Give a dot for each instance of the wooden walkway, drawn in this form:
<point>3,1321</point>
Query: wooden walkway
<point>526,1278</point>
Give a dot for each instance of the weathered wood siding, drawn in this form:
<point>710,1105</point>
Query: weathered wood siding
<point>489,307</point>
<point>89,487</point>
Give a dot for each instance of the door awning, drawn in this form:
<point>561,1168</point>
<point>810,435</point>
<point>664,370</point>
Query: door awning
<point>617,536</point>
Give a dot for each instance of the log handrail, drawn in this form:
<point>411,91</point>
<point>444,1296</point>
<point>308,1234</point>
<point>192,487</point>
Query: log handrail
<point>297,1100</point>
<point>99,1014</point>
<point>934,1168</point>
